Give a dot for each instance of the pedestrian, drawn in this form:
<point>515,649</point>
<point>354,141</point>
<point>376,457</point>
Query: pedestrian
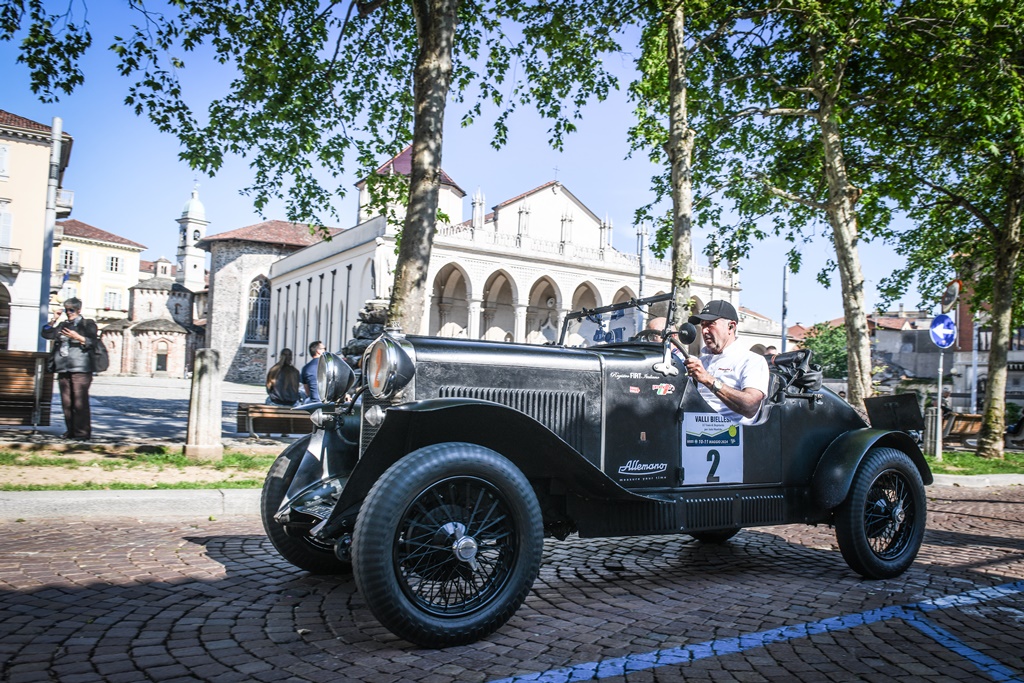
<point>71,358</point>
<point>731,379</point>
<point>283,382</point>
<point>316,349</point>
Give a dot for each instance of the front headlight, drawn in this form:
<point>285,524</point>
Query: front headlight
<point>386,367</point>
<point>333,378</point>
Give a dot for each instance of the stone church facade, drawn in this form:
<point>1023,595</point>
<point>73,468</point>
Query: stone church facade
<point>165,323</point>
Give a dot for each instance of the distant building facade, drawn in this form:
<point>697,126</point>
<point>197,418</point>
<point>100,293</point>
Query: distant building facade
<point>25,151</point>
<point>165,320</point>
<point>510,274</point>
<point>238,321</point>
<point>98,267</point>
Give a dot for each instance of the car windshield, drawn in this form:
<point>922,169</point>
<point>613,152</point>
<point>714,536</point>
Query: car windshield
<point>612,324</point>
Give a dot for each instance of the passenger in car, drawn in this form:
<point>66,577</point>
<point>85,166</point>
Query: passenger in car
<point>733,380</point>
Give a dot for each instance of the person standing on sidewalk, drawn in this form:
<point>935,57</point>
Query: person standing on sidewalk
<point>71,359</point>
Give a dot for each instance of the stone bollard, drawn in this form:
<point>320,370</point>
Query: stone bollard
<point>932,422</point>
<point>204,408</point>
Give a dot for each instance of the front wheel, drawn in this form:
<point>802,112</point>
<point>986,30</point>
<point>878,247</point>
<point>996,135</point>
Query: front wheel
<point>880,525</point>
<point>447,544</point>
<point>298,547</point>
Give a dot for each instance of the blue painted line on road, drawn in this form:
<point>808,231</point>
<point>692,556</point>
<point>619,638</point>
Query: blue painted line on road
<point>995,669</point>
<point>621,666</point>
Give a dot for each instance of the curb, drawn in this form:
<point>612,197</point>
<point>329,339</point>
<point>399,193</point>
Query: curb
<point>979,480</point>
<point>189,503</point>
<point>204,503</point>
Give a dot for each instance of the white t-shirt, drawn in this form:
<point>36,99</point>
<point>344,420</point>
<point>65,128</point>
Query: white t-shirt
<point>738,368</point>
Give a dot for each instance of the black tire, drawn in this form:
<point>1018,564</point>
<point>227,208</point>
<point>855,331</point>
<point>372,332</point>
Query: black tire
<point>714,537</point>
<point>304,552</point>
<point>432,504</point>
<point>880,525</point>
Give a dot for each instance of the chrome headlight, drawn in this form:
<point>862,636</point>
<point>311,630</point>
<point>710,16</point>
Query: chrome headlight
<point>333,378</point>
<point>386,367</point>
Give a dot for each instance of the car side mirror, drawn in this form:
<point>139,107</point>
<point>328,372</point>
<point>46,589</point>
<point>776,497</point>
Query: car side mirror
<point>687,334</point>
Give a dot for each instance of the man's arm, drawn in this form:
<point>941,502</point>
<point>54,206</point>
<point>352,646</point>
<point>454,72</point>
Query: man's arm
<point>746,401</point>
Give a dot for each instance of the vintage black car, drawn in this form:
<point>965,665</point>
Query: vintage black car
<point>437,484</point>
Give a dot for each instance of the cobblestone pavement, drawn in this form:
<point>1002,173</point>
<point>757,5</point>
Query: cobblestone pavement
<point>171,600</point>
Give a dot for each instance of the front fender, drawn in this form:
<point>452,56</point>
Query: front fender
<point>532,447</point>
<point>835,471</point>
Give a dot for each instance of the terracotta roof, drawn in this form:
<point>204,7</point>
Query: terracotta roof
<point>73,228</point>
<point>158,325</point>
<point>150,266</point>
<point>890,323</point>
<point>402,164</point>
<point>15,121</point>
<point>797,332</point>
<point>270,232</point>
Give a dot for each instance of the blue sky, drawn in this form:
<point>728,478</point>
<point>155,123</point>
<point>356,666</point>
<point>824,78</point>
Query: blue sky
<point>127,178</point>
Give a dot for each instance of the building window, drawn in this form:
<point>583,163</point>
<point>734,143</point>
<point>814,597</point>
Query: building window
<point>68,291</point>
<point>5,156</point>
<point>257,329</point>
<point>69,259</point>
<point>6,225</point>
<point>114,264</point>
<point>112,300</point>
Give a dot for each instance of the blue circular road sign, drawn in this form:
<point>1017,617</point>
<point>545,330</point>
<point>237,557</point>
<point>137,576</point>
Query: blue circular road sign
<point>943,331</point>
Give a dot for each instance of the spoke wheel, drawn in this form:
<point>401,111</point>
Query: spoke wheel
<point>447,544</point>
<point>880,526</point>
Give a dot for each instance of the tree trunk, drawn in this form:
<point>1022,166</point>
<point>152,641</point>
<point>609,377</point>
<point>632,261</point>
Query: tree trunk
<point>680,155</point>
<point>1008,250</point>
<point>842,216</point>
<point>435,28</point>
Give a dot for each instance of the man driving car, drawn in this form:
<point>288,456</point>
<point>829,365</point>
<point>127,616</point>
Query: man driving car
<point>733,380</point>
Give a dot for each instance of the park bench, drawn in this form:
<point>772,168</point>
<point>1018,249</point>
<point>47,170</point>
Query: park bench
<point>260,418</point>
<point>965,426</point>
<point>26,389</point>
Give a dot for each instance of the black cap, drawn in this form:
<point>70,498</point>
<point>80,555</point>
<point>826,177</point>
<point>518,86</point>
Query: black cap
<point>713,310</point>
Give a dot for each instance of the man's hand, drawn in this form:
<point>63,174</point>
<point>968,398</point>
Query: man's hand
<point>746,402</point>
<point>72,335</point>
<point>696,370</point>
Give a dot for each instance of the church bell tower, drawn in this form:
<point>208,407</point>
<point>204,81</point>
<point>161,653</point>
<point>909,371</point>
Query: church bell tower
<point>191,259</point>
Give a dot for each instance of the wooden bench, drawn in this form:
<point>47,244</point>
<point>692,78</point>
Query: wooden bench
<point>26,389</point>
<point>257,418</point>
<point>965,426</point>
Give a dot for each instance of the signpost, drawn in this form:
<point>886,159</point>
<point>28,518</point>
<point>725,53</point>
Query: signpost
<point>943,333</point>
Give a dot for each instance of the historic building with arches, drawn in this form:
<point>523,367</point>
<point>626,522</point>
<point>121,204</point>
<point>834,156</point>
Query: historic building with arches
<point>507,274</point>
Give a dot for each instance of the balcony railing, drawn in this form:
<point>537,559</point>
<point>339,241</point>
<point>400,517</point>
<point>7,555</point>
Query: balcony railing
<point>10,260</point>
<point>65,202</point>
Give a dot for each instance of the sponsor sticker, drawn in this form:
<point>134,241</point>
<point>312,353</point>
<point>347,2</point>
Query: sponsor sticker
<point>663,389</point>
<point>634,390</point>
<point>637,468</point>
<point>712,449</point>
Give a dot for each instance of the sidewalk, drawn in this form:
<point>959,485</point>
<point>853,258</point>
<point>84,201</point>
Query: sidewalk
<point>131,411</point>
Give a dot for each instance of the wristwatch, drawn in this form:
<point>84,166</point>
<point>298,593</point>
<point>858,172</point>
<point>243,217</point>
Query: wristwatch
<point>716,386</point>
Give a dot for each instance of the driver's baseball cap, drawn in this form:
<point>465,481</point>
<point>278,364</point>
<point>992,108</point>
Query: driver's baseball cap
<point>713,310</point>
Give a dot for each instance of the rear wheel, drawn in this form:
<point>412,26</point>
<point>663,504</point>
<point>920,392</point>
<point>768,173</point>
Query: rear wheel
<point>298,547</point>
<point>447,544</point>
<point>880,525</point>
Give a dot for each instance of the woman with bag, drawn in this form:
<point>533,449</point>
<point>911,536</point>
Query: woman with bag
<point>74,341</point>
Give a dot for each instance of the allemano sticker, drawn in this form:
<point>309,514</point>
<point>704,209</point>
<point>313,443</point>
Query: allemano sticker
<point>712,449</point>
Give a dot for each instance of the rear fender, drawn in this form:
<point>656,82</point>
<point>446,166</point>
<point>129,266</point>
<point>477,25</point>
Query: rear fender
<point>533,448</point>
<point>835,471</point>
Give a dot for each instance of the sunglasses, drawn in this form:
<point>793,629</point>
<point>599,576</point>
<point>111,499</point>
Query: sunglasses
<point>71,310</point>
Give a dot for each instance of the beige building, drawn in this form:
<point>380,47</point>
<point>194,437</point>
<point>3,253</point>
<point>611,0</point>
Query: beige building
<point>510,273</point>
<point>25,151</point>
<point>98,267</point>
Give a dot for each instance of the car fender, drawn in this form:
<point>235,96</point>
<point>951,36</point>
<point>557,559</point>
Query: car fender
<point>537,451</point>
<point>834,474</point>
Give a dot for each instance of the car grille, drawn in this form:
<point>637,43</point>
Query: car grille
<point>560,411</point>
